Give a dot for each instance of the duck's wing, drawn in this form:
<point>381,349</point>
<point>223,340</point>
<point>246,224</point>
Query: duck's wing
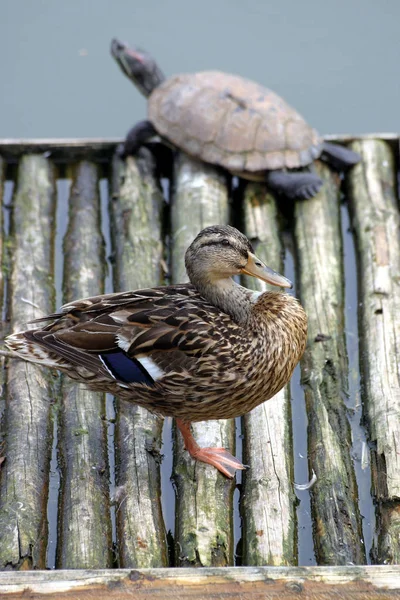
<point>136,336</point>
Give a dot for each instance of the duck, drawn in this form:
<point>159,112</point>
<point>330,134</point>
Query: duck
<point>203,350</point>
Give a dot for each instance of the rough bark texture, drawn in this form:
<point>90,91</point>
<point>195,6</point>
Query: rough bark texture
<point>24,473</point>
<point>2,182</point>
<point>268,504</point>
<point>337,529</point>
<point>375,218</point>
<point>85,526</point>
<point>252,583</point>
<point>136,210</point>
<point>204,496</point>
<point>3,331</point>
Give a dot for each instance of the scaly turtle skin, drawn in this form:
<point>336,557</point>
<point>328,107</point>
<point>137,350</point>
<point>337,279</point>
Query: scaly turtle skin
<point>228,121</point>
<point>209,349</point>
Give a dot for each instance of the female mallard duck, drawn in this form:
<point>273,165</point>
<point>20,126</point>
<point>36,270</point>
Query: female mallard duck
<point>209,349</point>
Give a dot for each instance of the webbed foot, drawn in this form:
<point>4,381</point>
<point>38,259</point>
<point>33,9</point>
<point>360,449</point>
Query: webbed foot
<point>220,458</point>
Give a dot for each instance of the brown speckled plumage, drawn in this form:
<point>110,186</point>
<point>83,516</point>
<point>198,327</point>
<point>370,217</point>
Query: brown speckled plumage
<point>221,350</point>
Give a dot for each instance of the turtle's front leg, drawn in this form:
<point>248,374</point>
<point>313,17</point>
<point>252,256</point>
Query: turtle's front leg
<point>141,133</point>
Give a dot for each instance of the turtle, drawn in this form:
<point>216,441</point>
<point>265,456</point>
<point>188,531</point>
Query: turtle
<point>231,122</point>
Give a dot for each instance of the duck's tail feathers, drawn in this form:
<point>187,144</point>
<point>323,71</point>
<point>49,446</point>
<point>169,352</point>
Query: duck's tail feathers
<point>24,347</point>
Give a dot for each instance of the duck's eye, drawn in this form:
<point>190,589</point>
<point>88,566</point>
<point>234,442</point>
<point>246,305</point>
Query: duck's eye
<point>225,243</point>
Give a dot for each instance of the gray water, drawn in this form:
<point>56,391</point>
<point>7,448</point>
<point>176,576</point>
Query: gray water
<point>336,62</point>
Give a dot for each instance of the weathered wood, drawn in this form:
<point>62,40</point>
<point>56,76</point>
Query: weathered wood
<point>337,534</point>
<point>136,209</point>
<point>318,583</point>
<point>3,275</point>
<point>64,150</point>
<point>2,183</point>
<point>85,525</point>
<point>268,503</point>
<point>24,473</point>
<point>376,222</point>
<point>387,547</point>
<point>72,148</point>
<point>203,533</point>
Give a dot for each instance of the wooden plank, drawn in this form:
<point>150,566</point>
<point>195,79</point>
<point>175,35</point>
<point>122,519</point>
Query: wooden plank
<point>203,535</point>
<point>24,473</point>
<point>349,137</point>
<point>337,534</point>
<point>261,583</point>
<point>64,149</point>
<point>85,525</point>
<point>17,146</point>
<point>136,208</point>
<point>268,500</point>
<point>376,221</point>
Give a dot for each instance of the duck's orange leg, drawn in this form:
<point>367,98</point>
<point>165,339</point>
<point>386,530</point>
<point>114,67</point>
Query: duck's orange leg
<point>220,458</point>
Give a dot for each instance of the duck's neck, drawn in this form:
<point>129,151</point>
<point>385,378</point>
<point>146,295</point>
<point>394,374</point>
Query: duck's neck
<point>230,297</point>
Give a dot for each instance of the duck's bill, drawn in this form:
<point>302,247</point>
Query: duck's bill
<point>256,268</point>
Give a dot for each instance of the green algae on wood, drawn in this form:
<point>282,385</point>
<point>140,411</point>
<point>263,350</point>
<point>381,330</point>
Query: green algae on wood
<point>204,496</point>
<point>334,502</point>
<point>25,472</point>
<point>376,222</point>
<point>136,208</point>
<point>85,524</point>
<point>268,503</point>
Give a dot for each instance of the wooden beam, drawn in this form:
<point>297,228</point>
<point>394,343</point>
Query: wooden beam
<point>252,583</point>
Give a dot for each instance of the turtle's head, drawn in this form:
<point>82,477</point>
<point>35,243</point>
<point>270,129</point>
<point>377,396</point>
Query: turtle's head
<point>138,66</point>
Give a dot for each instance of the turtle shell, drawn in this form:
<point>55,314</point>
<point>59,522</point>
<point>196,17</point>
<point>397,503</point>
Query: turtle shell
<point>233,122</point>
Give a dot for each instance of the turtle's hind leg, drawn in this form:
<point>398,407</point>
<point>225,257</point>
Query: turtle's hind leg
<point>294,185</point>
<point>137,136</point>
<point>339,157</point>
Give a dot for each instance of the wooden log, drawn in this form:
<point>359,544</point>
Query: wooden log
<point>85,525</point>
<point>24,473</point>
<point>376,222</point>
<point>136,209</point>
<point>203,533</point>
<point>3,275</point>
<point>2,183</point>
<point>337,535</point>
<point>268,500</point>
<point>235,583</point>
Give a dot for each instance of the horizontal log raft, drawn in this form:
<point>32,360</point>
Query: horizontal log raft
<point>376,222</point>
<point>136,209</point>
<point>334,501</point>
<point>25,471</point>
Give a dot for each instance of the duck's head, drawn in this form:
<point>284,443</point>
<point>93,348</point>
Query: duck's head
<point>219,252</point>
<point>138,66</point>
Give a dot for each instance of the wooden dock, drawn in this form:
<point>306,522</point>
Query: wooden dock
<point>81,474</point>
